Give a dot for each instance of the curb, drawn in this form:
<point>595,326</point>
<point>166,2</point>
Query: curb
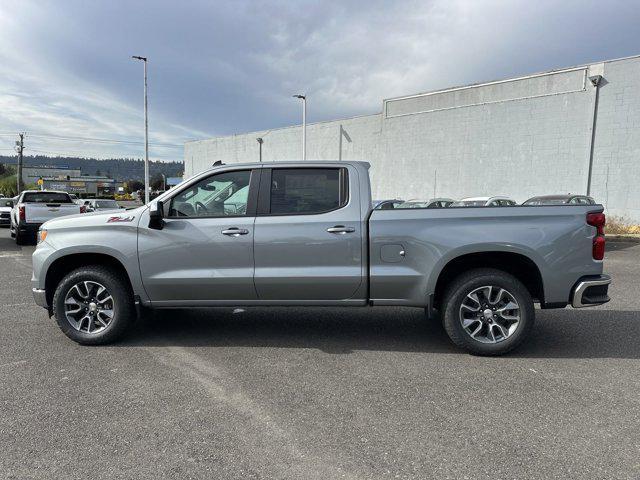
<point>623,237</point>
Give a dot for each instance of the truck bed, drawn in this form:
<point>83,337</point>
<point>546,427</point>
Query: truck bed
<point>556,239</point>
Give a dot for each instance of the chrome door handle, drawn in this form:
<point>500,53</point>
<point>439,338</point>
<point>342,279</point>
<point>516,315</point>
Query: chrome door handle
<point>341,229</point>
<point>235,231</point>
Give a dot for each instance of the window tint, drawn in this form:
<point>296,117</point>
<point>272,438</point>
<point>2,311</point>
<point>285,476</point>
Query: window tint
<point>307,190</point>
<point>46,197</point>
<point>224,194</point>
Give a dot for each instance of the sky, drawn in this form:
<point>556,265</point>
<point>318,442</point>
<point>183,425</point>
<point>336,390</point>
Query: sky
<point>219,68</point>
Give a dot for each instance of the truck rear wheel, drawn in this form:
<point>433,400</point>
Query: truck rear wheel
<point>93,305</point>
<point>487,312</point>
<point>19,237</point>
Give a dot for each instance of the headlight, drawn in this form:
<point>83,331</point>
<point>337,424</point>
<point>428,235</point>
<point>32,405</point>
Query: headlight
<point>42,235</point>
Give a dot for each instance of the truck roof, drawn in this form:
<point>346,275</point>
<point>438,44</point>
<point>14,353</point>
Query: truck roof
<point>292,163</point>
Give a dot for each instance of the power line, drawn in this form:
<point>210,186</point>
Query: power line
<point>72,138</point>
<point>102,140</point>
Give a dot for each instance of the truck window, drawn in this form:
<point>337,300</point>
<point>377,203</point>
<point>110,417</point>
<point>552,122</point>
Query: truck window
<point>221,195</point>
<point>307,190</point>
<point>46,197</point>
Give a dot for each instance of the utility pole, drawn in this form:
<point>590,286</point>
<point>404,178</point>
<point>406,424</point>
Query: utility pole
<point>146,132</point>
<point>304,124</point>
<point>19,149</point>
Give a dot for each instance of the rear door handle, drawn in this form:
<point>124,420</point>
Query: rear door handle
<point>235,231</point>
<point>341,229</point>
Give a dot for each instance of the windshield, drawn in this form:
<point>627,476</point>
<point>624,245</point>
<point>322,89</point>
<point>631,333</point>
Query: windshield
<point>546,201</point>
<point>412,205</point>
<point>469,203</point>
<point>107,204</point>
<point>46,197</point>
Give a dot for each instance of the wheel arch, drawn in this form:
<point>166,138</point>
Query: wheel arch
<point>67,263</point>
<point>517,264</point>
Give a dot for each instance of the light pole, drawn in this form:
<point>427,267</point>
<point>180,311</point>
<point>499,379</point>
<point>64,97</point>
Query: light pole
<point>596,81</point>
<point>304,124</point>
<point>260,142</point>
<point>146,132</point>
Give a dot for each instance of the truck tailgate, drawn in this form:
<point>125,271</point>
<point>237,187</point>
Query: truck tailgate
<point>41,212</point>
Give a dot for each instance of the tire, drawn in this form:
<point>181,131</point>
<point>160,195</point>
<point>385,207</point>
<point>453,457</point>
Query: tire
<point>71,290</point>
<point>20,239</point>
<point>496,331</point>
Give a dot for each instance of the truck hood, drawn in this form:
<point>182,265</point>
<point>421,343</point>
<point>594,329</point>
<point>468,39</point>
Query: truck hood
<point>94,219</point>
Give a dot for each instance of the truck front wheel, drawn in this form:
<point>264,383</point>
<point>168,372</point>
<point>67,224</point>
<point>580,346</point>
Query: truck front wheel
<point>93,305</point>
<point>487,312</point>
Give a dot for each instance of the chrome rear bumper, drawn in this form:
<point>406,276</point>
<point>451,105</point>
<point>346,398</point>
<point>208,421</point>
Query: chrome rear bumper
<point>591,291</point>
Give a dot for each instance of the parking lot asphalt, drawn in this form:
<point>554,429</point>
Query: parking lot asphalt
<point>319,393</point>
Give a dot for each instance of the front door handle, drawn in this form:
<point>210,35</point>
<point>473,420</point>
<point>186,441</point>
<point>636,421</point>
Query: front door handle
<point>341,229</point>
<point>235,231</point>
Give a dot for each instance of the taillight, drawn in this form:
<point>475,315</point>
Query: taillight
<point>83,209</point>
<point>598,247</point>
<point>21,212</point>
<point>597,220</point>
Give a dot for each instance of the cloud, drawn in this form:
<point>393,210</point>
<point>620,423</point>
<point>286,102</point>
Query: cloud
<point>219,68</point>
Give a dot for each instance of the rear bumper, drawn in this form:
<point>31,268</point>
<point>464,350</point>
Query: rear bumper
<point>29,228</point>
<point>590,291</point>
<point>40,296</point>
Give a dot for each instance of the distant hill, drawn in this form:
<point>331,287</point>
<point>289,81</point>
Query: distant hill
<point>122,169</point>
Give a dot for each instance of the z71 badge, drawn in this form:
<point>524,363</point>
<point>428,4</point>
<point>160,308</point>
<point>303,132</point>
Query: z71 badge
<point>120,219</point>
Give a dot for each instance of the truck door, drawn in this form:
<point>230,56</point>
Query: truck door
<point>308,234</point>
<point>204,252</point>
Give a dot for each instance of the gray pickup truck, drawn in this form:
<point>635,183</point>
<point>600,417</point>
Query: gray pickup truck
<point>293,233</point>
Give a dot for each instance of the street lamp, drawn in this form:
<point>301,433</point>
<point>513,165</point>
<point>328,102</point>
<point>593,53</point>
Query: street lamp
<point>260,142</point>
<point>304,124</point>
<point>146,132</point>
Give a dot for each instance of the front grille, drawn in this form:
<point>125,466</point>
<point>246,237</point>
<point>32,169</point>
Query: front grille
<point>4,215</point>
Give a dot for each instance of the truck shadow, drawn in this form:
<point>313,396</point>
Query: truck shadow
<point>595,333</point>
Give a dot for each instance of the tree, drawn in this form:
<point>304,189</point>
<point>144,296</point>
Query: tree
<point>134,186</point>
<point>156,182</point>
<point>8,186</point>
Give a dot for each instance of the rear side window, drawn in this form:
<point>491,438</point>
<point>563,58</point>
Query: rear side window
<point>307,190</point>
<point>46,197</point>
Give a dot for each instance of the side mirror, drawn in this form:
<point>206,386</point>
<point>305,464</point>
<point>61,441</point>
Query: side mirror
<point>156,212</point>
<point>9,203</point>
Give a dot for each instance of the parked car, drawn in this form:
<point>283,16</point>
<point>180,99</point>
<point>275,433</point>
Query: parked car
<point>497,201</point>
<point>102,205</point>
<point>34,207</point>
<point>386,204</point>
<point>432,203</point>
<point>561,200</point>
<point>304,233</point>
<point>6,204</point>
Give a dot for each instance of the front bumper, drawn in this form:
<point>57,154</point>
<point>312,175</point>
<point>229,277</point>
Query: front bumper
<point>590,291</point>
<point>40,296</point>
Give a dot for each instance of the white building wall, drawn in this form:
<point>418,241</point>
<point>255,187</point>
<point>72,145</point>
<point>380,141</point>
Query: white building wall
<point>518,137</point>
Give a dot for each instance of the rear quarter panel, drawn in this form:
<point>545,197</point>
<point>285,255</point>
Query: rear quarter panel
<point>556,238</point>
